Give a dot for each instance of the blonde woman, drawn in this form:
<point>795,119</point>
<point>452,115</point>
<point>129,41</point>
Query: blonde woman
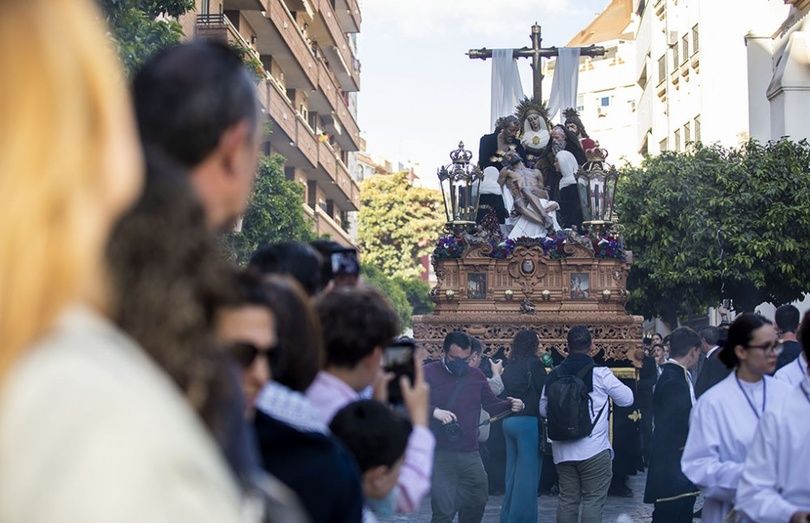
<point>90,429</point>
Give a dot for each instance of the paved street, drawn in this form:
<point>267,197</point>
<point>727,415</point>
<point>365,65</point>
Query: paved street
<point>633,508</point>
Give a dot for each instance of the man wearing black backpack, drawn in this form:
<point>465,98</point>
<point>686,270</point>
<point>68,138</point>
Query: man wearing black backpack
<point>575,401</point>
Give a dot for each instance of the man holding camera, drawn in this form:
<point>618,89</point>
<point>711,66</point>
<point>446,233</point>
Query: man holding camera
<point>458,392</point>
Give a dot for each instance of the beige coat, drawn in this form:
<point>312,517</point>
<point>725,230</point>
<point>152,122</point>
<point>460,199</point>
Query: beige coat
<point>92,431</point>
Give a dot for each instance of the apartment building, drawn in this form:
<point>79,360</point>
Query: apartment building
<point>309,77</point>
<point>779,75</point>
<point>691,64</point>
<point>608,93</point>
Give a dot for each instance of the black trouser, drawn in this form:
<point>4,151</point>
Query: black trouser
<point>675,511</point>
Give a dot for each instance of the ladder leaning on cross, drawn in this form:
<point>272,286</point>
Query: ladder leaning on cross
<point>536,52</point>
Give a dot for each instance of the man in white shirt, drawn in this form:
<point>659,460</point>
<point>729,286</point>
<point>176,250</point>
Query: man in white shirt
<point>584,465</point>
<point>794,372</point>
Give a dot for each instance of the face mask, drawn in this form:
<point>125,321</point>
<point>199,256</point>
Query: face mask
<point>457,367</point>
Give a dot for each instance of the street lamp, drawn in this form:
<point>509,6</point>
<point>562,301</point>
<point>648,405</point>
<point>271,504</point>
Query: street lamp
<point>460,182</point>
<point>596,181</point>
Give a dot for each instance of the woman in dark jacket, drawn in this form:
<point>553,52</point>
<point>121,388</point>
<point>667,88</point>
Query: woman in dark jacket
<point>523,378</point>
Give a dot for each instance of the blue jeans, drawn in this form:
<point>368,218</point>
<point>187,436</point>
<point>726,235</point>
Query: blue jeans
<point>522,469</point>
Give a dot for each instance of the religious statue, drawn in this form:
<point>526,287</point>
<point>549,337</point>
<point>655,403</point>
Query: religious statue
<point>562,139</point>
<point>570,206</point>
<point>493,147</point>
<point>536,136</point>
<point>574,124</point>
<point>535,213</point>
<point>492,212</point>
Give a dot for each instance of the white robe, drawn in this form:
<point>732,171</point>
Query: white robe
<point>721,428</point>
<point>775,481</point>
<point>794,372</point>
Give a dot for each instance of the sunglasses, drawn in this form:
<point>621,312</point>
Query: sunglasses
<point>245,353</point>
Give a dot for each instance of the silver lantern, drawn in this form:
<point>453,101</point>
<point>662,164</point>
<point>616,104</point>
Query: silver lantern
<point>460,182</point>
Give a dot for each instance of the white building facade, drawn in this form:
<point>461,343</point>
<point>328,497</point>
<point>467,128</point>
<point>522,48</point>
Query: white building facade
<point>779,75</point>
<point>692,66</point>
<point>607,92</point>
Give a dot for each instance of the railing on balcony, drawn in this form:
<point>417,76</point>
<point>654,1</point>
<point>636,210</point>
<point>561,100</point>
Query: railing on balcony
<point>219,27</point>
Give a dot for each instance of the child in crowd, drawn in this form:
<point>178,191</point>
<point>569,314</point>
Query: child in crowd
<point>377,437</point>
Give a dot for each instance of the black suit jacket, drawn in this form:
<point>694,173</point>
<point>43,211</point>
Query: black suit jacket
<point>713,372</point>
<point>790,351</point>
<point>672,405</point>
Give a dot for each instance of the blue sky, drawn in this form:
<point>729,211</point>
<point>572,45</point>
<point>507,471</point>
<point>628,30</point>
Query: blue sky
<point>420,94</point>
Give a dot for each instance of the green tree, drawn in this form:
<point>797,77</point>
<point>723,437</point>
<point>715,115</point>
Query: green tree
<point>392,290</point>
<point>418,293</point>
<point>398,224</point>
<point>716,223</point>
<point>142,27</point>
<point>275,213</point>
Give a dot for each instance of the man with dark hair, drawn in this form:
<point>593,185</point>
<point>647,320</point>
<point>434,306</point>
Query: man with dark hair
<point>358,323</point>
<point>377,437</point>
<point>709,338</point>
<point>712,370</point>
<point>787,322</point>
<point>295,259</point>
<point>457,394</point>
<point>667,487</point>
<point>196,103</point>
<point>584,465</point>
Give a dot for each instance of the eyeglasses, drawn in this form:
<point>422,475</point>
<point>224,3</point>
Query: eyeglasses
<point>245,353</point>
<point>775,348</point>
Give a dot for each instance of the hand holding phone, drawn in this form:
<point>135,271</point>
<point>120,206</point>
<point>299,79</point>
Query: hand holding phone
<point>345,266</point>
<point>398,360</point>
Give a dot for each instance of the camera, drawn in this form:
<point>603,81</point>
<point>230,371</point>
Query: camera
<point>452,432</point>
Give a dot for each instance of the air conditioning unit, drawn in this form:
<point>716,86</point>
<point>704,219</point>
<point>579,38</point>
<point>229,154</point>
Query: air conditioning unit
<point>672,38</point>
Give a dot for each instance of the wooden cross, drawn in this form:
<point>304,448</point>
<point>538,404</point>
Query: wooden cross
<point>536,52</point>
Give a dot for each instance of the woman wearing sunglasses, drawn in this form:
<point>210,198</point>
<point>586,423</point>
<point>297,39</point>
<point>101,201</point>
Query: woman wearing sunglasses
<point>725,418</point>
<point>273,336</point>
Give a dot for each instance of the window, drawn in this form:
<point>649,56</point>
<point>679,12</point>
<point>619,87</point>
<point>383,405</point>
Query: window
<point>206,7</point>
<point>676,61</point>
<point>663,144</point>
<point>677,140</point>
<point>695,39</point>
<point>662,68</point>
<point>697,128</point>
<point>685,47</point>
<point>580,103</point>
<point>604,101</point>
<point>687,133</point>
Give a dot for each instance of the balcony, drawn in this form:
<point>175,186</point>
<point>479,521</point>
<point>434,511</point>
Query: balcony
<point>335,44</point>
<point>348,15</point>
<point>324,224</point>
<point>244,5</point>
<point>218,27</point>
<point>278,35</point>
<point>338,120</point>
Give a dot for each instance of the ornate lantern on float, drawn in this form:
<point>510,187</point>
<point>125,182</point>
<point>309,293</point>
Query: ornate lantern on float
<point>460,182</point>
<point>596,181</point>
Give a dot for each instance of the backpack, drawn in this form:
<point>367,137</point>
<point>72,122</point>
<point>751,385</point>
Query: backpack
<point>569,407</point>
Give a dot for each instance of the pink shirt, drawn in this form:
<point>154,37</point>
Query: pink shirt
<point>328,394</point>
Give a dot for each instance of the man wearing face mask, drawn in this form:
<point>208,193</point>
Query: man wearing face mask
<point>458,392</point>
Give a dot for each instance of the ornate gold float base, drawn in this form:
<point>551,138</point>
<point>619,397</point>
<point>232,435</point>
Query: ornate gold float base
<point>492,299</point>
